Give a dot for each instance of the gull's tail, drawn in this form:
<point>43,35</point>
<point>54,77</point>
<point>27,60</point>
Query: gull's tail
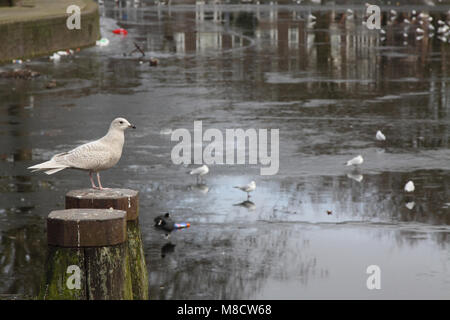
<point>49,167</point>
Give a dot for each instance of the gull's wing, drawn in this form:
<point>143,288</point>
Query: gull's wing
<point>87,156</point>
<point>243,188</point>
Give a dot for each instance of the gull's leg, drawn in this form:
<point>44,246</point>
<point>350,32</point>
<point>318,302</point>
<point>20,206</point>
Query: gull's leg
<point>99,182</point>
<point>92,181</point>
<point>248,195</point>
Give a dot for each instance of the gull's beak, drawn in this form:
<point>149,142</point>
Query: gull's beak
<point>132,126</point>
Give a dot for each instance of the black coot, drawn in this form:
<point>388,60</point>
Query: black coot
<point>164,222</point>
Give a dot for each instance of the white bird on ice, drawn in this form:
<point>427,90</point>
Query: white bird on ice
<point>355,161</point>
<point>55,57</point>
<point>443,29</point>
<point>93,156</point>
<point>409,186</point>
<point>380,136</point>
<point>247,188</point>
<point>200,171</point>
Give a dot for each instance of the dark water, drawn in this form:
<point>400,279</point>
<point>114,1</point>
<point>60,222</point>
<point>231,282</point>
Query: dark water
<point>328,87</point>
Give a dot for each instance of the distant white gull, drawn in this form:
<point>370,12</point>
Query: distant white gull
<point>200,171</point>
<point>355,161</point>
<point>409,186</point>
<point>55,57</point>
<point>94,156</point>
<point>247,188</point>
<point>380,136</point>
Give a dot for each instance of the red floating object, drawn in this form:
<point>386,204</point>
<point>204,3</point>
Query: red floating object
<point>182,225</point>
<point>120,31</point>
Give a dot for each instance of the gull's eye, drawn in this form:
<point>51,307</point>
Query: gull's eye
<point>121,122</point>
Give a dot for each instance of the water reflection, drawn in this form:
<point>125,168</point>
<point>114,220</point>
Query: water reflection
<point>200,187</point>
<point>327,82</point>
<point>247,204</point>
<point>21,260</point>
<point>355,176</point>
<point>410,205</point>
<point>167,249</point>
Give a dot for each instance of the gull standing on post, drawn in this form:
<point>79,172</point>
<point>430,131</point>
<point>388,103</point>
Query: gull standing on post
<point>247,188</point>
<point>200,171</point>
<point>93,156</point>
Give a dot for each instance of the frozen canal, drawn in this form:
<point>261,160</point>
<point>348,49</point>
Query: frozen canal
<point>328,87</point>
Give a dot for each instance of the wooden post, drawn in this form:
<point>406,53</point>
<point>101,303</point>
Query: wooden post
<point>120,199</point>
<point>87,256</point>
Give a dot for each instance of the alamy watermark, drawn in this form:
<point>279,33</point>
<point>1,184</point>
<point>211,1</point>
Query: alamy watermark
<point>74,280</point>
<point>235,145</point>
<point>374,280</point>
<point>74,20</point>
<point>374,19</point>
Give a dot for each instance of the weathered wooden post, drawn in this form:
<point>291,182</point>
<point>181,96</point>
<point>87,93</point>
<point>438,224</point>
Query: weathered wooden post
<point>87,256</point>
<point>120,199</point>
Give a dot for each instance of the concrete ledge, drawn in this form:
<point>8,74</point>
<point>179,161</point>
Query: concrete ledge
<point>27,32</point>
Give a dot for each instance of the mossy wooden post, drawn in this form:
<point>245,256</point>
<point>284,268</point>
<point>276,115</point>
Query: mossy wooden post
<point>120,199</point>
<point>87,256</point>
